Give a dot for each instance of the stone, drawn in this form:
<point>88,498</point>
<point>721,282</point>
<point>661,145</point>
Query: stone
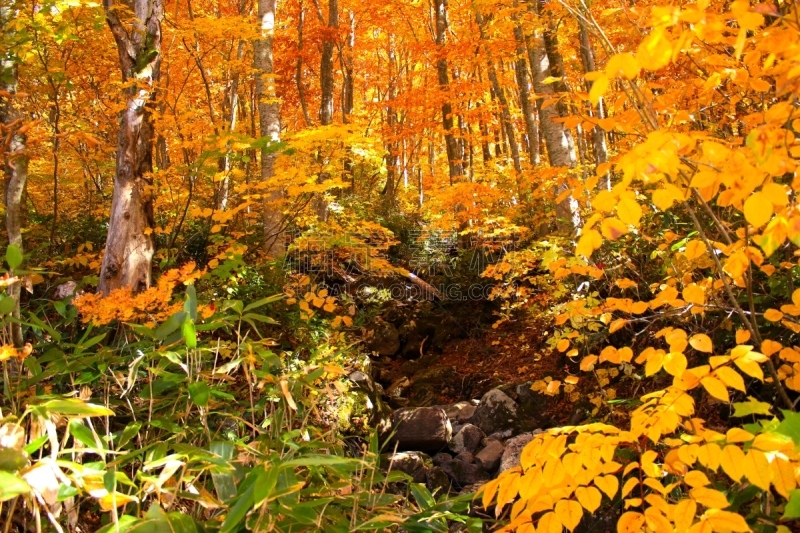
<point>465,457</point>
<point>496,412</point>
<point>513,450</point>
<point>415,464</point>
<point>423,429</point>
<point>384,339</point>
<point>464,473</point>
<point>489,457</point>
<point>362,408</point>
<point>437,481</point>
<point>65,290</point>
<point>452,410</point>
<point>440,458</point>
<point>466,414</point>
<point>468,439</point>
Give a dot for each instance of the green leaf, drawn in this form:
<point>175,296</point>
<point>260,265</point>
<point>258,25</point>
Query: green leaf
<point>13,256</point>
<point>238,512</point>
<point>11,486</point>
<point>130,431</point>
<point>751,407</point>
<point>7,304</point>
<point>263,301</point>
<point>34,446</point>
<point>12,459</point>
<point>75,407</point>
<point>790,426</point>
<point>83,434</point>
<point>792,509</point>
<point>189,334</point>
<point>199,392</point>
<point>170,325</point>
<point>223,480</point>
<point>191,302</point>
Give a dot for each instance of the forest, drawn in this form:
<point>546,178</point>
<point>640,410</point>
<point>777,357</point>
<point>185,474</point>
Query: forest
<point>519,266</point>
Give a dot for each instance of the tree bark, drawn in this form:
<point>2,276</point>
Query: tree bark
<point>298,74</point>
<point>269,124</point>
<point>455,155</point>
<point>326,65</point>
<point>528,108</point>
<point>129,246</point>
<point>599,141</point>
<point>558,139</point>
<point>16,168</point>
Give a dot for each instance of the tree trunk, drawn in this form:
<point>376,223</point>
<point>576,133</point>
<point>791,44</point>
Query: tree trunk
<point>558,139</point>
<point>599,142</point>
<point>528,109</point>
<point>16,168</point>
<point>298,74</point>
<point>455,154</point>
<point>326,66</point>
<point>269,124</point>
<point>129,246</point>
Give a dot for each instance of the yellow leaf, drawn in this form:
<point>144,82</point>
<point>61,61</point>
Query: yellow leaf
<point>590,241</point>
<point>732,460</point>
<point>684,513</point>
<point>552,387</point>
<point>735,435</point>
<point>599,88</point>
<point>216,228</point>
<point>608,484</point>
<point>730,377</point>
<point>617,325</point>
<point>773,315</point>
<point>675,363</point>
<point>570,513</point>
<point>796,297</point>
<point>701,343</point>
<point>711,498</point>
<point>509,488</point>
<point>776,193</point>
<point>489,491</point>
<point>694,294</point>
<point>715,388</point>
<point>695,479</point>
<point>589,497</point>
<point>623,65</point>
<point>783,476</point>
<point>654,362</point>
<point>695,249</point>
<point>742,335</point>
<point>724,521</point>
<point>563,344</point>
<point>347,321</point>
<point>758,209</point>
<point>288,395</point>
<point>549,523</point>
<point>756,469</point>
<point>629,211</point>
<point>630,522</point>
<point>613,228</point>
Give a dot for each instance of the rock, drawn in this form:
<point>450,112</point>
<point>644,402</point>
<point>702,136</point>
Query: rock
<point>467,439</point>
<point>65,290</point>
<point>460,412</point>
<point>437,481</point>
<point>513,450</point>
<point>440,458</point>
<point>466,414</point>
<point>423,428</point>
<point>470,489</point>
<point>415,464</point>
<point>489,457</point>
<point>384,338</point>
<point>464,473</point>
<point>501,435</point>
<point>496,412</point>
<point>429,383</point>
<point>362,408</point>
<point>465,457</point>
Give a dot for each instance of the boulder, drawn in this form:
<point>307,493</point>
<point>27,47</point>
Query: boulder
<point>468,439</point>
<point>362,408</point>
<point>466,414</point>
<point>383,338</point>
<point>464,473</point>
<point>437,481</point>
<point>489,457</point>
<point>465,457</point>
<point>496,412</point>
<point>423,428</point>
<point>513,450</point>
<point>440,458</point>
<point>415,464</point>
